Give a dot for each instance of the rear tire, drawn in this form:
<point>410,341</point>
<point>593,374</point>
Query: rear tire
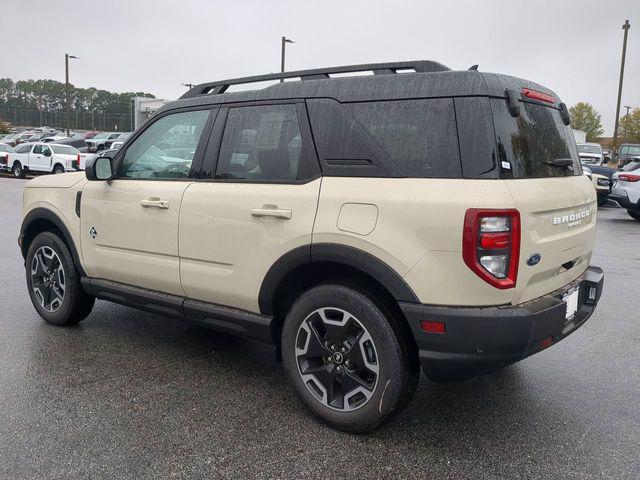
<point>58,169</point>
<point>634,215</point>
<point>18,171</point>
<point>348,362</point>
<point>53,282</point>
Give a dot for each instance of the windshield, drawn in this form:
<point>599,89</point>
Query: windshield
<point>536,144</point>
<point>584,148</point>
<point>64,150</point>
<point>630,150</point>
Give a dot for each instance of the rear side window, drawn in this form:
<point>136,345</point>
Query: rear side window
<point>260,143</point>
<point>399,138</point>
<point>536,144</point>
<point>23,148</point>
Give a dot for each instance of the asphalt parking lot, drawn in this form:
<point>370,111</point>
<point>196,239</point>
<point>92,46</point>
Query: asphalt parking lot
<point>128,394</point>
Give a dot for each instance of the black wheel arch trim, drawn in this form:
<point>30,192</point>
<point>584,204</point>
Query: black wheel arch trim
<point>333,253</point>
<point>41,213</point>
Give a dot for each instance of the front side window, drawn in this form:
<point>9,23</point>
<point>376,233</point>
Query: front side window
<point>45,150</point>
<point>260,143</point>
<point>166,148</point>
<point>37,150</point>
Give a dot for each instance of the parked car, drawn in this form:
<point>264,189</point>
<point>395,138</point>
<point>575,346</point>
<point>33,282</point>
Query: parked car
<point>626,188</point>
<point>601,184</point>
<point>89,157</point>
<point>453,230</point>
<point>590,153</point>
<point>54,138</point>
<point>77,140</point>
<point>42,157</point>
<point>97,143</point>
<point>120,138</point>
<point>6,155</point>
<point>626,153</point>
<point>16,138</point>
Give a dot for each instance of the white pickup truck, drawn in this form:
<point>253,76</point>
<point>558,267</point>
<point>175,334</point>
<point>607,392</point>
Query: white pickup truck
<point>43,157</point>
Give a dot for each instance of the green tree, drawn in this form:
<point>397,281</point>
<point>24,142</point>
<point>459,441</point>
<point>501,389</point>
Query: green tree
<point>630,127</point>
<point>584,117</point>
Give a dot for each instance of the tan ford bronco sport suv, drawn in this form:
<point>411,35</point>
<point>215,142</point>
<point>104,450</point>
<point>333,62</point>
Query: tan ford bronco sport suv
<point>366,226</point>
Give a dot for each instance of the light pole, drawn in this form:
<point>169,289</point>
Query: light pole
<point>626,123</point>
<point>625,27</point>
<point>66,84</point>
<point>285,40</point>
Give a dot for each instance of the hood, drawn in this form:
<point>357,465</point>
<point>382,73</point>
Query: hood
<point>62,180</point>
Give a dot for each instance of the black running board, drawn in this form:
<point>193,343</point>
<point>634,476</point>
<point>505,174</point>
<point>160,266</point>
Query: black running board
<point>209,315</point>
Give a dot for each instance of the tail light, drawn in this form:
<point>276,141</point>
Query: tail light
<point>491,245</point>
<point>628,177</point>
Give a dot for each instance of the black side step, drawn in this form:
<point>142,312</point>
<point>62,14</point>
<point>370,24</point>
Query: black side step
<point>209,315</point>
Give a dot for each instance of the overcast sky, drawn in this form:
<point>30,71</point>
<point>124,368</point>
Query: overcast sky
<point>572,47</point>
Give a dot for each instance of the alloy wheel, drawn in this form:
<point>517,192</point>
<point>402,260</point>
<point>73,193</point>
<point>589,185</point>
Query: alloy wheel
<point>47,279</point>
<point>337,359</point>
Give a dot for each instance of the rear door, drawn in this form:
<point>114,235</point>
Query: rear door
<point>129,225</point>
<point>256,202</point>
<point>557,204</point>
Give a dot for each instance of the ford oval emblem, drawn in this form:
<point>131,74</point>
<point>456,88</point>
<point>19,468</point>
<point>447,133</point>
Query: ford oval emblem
<point>534,259</point>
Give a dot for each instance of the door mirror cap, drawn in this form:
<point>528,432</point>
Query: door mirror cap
<point>99,169</point>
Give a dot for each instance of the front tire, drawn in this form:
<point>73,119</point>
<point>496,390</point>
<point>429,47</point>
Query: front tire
<point>53,282</point>
<point>58,169</point>
<point>634,215</point>
<point>347,360</point>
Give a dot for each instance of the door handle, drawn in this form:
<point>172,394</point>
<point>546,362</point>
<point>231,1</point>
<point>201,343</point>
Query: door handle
<point>271,211</point>
<point>154,202</point>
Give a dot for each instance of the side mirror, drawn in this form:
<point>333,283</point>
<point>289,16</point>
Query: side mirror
<point>99,169</point>
<point>47,153</point>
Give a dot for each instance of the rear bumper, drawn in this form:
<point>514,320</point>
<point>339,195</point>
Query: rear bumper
<point>482,339</point>
<point>622,198</point>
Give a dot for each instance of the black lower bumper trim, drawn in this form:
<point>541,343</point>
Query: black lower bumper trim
<point>481,339</point>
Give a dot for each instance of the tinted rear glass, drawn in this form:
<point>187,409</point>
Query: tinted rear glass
<point>535,144</point>
<point>419,136</point>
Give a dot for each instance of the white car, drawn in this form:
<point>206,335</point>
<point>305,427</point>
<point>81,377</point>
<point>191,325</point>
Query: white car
<point>590,153</point>
<point>97,143</point>
<point>43,157</point>
<point>6,155</point>
<point>626,188</point>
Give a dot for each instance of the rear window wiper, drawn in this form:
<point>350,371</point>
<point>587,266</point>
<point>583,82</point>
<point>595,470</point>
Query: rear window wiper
<point>561,162</point>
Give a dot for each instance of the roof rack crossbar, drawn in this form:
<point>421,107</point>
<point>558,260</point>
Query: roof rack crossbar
<point>420,66</point>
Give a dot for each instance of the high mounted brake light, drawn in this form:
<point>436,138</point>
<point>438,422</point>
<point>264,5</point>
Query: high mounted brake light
<point>491,245</point>
<point>535,95</point>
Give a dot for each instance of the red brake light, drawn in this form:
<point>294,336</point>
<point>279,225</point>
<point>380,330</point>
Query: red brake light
<point>535,95</point>
<point>491,245</point>
<point>629,177</point>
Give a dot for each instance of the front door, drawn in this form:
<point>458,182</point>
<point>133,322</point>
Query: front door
<point>129,225</point>
<point>38,159</point>
<point>258,203</point>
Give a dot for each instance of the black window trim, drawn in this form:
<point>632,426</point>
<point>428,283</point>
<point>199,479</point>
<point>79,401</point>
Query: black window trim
<point>309,163</point>
<point>197,158</point>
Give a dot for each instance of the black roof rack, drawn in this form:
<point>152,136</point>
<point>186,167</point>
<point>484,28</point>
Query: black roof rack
<point>420,66</point>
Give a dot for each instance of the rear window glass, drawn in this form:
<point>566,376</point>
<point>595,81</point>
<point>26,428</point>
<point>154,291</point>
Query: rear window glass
<point>65,150</point>
<point>419,136</point>
<point>536,144</point>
